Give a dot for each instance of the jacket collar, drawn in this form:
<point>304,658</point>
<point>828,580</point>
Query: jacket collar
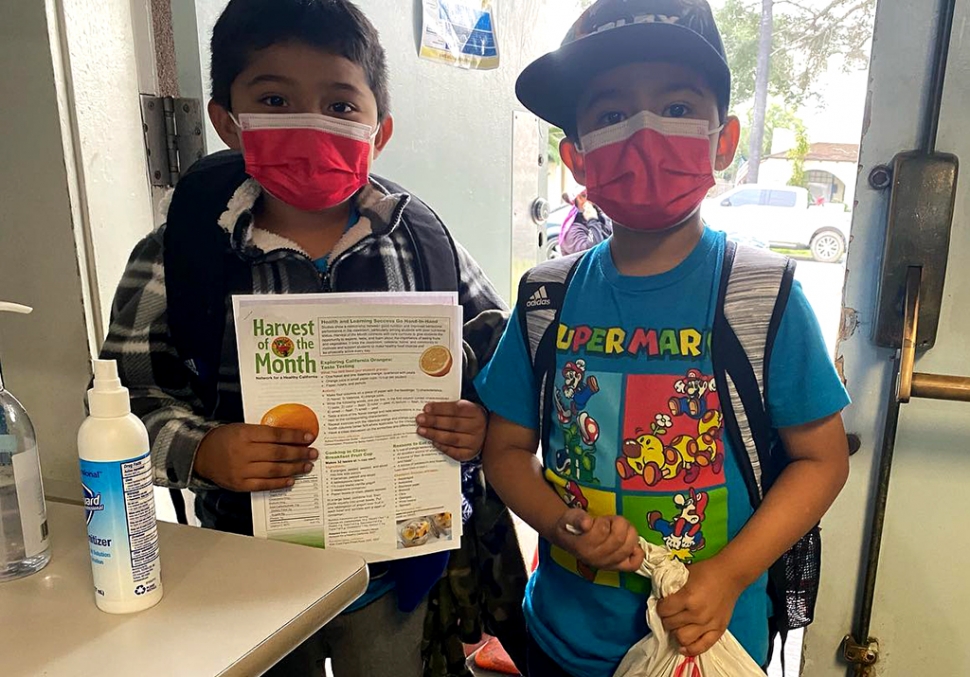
<point>380,213</point>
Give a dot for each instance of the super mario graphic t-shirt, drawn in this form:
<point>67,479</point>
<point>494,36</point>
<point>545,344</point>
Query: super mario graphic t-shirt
<point>637,431</point>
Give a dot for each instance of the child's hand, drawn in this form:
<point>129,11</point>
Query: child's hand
<point>700,612</point>
<point>604,543</point>
<point>456,429</point>
<point>242,457</point>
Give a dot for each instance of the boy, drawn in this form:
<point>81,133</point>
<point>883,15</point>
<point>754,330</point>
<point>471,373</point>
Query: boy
<point>301,87</point>
<point>639,444</point>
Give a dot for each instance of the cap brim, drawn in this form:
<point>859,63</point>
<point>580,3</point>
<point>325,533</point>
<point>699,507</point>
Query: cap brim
<point>550,86</point>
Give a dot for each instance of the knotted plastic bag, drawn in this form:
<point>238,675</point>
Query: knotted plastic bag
<point>658,655</point>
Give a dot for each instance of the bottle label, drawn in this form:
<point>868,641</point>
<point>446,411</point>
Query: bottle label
<point>119,507</point>
<point>30,495</point>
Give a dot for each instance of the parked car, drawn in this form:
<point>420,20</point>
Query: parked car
<point>782,217</point>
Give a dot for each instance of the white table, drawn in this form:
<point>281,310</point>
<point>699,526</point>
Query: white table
<point>233,606</point>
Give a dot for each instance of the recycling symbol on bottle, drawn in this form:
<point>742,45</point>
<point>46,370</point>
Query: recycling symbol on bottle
<point>140,590</point>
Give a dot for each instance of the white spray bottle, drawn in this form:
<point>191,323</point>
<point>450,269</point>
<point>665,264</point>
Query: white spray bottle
<point>24,545</point>
<point>119,500</point>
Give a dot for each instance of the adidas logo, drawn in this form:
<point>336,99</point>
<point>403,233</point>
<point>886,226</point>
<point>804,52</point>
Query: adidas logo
<point>538,300</point>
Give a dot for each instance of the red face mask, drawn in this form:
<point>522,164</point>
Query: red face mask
<point>649,173</point>
<point>311,162</point>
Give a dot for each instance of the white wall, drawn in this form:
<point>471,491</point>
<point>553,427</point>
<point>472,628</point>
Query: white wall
<point>110,146</point>
<point>45,355</point>
<point>922,608</point>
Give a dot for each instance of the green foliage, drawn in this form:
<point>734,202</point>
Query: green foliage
<point>556,135</point>
<point>807,34</point>
<point>797,155</point>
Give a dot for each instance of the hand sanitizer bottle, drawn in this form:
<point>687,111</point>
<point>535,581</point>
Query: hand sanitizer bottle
<point>119,499</point>
<point>24,545</point>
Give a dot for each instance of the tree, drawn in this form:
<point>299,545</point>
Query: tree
<point>797,155</point>
<point>762,80</point>
<point>776,117</point>
<point>556,136</point>
<point>783,47</point>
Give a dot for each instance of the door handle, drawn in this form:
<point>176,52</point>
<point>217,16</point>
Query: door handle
<point>859,649</point>
<point>911,383</point>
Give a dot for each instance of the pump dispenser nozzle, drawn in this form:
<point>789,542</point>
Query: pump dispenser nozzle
<point>108,398</point>
<point>7,307</point>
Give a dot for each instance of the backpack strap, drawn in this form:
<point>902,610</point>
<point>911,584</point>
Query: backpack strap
<point>201,267</point>
<point>542,294</point>
<point>436,264</point>
<point>754,291</point>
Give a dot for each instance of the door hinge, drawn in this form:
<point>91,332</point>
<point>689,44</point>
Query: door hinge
<point>174,137</point>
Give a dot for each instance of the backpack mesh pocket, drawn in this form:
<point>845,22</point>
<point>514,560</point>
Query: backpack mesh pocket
<point>800,568</point>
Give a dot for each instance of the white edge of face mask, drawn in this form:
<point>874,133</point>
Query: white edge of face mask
<point>324,123</point>
<point>686,127</point>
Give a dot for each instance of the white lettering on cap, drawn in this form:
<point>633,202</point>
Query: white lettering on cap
<point>641,19</point>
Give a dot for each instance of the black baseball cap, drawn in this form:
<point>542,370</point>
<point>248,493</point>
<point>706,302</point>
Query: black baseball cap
<point>612,33</point>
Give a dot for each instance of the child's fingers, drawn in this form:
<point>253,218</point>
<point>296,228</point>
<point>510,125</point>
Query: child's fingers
<point>467,409</point>
<point>679,620</point>
<point>269,434</point>
<point>458,453</point>
<point>689,635</point>
<point>266,485</point>
<point>449,423</point>
<point>633,562</point>
<point>262,471</point>
<point>442,409</point>
<point>671,606</point>
<point>448,438</point>
<point>703,644</point>
<point>576,522</point>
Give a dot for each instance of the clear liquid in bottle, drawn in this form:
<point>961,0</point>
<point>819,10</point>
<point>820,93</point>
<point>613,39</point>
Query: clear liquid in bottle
<point>24,542</point>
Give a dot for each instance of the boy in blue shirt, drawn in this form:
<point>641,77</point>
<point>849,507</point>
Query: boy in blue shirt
<point>636,446</point>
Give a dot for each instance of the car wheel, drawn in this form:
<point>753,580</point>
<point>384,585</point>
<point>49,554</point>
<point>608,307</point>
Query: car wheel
<point>828,247</point>
<point>552,249</point>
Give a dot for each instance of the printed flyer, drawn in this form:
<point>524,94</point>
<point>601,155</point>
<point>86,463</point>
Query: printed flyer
<point>356,369</point>
<point>460,33</point>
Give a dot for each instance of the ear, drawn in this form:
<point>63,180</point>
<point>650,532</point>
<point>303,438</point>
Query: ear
<point>385,131</point>
<point>574,159</point>
<point>727,144</point>
<point>224,125</point>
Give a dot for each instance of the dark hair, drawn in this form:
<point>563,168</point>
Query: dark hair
<point>336,26</point>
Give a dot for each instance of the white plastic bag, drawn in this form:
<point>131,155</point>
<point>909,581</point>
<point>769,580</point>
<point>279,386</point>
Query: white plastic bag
<point>658,655</point>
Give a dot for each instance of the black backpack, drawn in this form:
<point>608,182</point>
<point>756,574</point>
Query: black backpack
<point>754,290</point>
<point>202,271</point>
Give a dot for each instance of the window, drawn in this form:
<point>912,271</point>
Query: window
<point>743,198</point>
<point>820,177</point>
<point>782,198</point>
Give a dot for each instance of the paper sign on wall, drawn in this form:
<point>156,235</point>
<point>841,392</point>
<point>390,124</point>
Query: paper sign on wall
<point>460,33</point>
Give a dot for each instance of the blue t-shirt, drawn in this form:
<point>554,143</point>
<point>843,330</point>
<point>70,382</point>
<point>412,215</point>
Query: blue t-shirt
<point>636,431</point>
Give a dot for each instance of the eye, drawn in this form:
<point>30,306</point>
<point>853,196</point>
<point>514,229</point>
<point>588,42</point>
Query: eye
<point>610,118</point>
<point>274,101</point>
<point>677,110</point>
<point>342,108</point>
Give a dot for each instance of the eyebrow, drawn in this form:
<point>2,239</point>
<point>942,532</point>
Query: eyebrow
<point>269,77</point>
<point>600,95</point>
<point>345,87</point>
<point>683,87</point>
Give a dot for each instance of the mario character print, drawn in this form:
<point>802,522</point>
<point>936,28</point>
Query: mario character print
<point>577,457</point>
<point>672,434</point>
<point>683,535</point>
<point>691,397</point>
